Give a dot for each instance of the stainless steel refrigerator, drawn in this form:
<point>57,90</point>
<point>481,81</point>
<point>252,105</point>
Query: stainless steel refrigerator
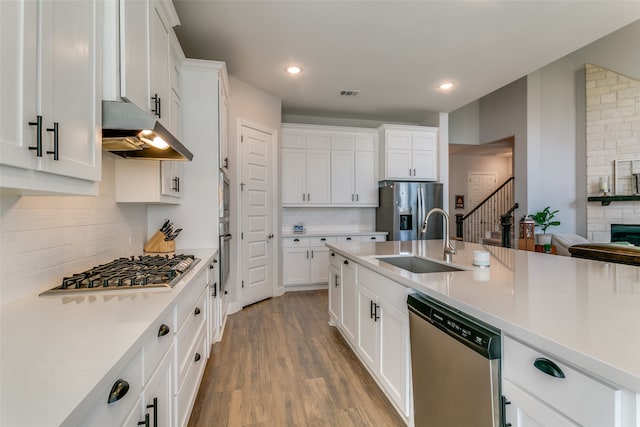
<point>403,207</point>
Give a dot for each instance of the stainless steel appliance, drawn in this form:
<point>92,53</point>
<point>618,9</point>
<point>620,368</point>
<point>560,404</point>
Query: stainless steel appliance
<point>225,236</point>
<point>140,272</point>
<point>455,363</point>
<point>131,133</point>
<point>403,207</point>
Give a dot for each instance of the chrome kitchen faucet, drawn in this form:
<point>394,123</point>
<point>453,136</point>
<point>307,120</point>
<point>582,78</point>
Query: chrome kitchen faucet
<point>447,246</point>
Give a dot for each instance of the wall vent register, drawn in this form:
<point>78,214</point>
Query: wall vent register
<point>140,272</point>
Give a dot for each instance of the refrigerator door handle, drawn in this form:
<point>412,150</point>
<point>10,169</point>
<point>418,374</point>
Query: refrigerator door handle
<point>420,217</point>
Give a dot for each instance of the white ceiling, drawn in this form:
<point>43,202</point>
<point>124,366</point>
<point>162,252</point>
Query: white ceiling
<point>395,52</point>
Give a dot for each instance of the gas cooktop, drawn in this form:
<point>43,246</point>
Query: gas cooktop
<point>142,272</point>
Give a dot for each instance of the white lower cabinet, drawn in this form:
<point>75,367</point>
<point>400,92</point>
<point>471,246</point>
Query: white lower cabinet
<point>374,319</point>
<point>117,399</point>
<point>383,334</point>
<point>348,304</point>
<point>544,391</point>
<point>335,261</point>
<point>305,261</point>
<point>367,337</point>
<point>524,410</point>
<point>190,347</point>
<point>157,396</point>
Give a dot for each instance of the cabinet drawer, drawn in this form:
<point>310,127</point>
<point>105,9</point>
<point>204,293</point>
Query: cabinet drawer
<point>348,238</point>
<point>190,381</point>
<point>113,414</point>
<point>157,341</point>
<point>187,335</point>
<point>373,238</point>
<point>295,242</point>
<point>187,300</point>
<point>336,260</point>
<point>320,241</point>
<point>580,397</point>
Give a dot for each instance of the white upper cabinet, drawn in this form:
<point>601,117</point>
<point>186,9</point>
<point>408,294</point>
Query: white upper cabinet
<point>147,58</point>
<point>328,166</point>
<point>134,58</point>
<point>408,152</point>
<point>49,70</point>
<point>306,166</point>
<point>159,83</point>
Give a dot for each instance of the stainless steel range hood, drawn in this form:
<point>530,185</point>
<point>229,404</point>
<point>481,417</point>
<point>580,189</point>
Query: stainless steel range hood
<point>129,132</point>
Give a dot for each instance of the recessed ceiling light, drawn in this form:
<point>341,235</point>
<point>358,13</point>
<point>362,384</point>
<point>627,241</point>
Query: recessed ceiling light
<point>294,69</point>
<point>446,86</point>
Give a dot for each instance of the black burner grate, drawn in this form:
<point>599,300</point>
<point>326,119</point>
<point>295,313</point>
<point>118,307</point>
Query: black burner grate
<point>144,271</point>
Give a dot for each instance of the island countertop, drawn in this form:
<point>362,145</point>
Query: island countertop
<point>584,312</point>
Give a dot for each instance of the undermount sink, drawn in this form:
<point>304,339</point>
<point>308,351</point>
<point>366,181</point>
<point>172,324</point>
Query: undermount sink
<point>418,265</point>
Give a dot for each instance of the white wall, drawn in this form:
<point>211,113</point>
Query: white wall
<point>551,143</point>
<point>503,114</point>
<point>460,165</point>
<point>251,104</point>
<point>45,238</point>
<point>464,124</point>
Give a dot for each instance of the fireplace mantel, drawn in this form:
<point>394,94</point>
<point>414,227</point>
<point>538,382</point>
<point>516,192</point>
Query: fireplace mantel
<point>606,200</point>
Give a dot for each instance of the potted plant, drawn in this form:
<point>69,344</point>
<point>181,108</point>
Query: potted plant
<point>544,220</point>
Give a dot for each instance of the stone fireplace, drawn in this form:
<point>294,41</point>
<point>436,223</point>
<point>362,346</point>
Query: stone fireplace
<point>613,134</point>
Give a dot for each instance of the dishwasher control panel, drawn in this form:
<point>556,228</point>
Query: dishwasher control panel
<point>466,330</point>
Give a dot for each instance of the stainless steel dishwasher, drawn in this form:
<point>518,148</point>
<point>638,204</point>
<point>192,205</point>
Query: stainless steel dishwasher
<point>455,363</point>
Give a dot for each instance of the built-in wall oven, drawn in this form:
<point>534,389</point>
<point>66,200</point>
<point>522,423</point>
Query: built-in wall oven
<point>225,236</point>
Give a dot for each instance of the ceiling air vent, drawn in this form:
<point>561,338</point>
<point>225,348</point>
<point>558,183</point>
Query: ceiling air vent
<point>349,92</point>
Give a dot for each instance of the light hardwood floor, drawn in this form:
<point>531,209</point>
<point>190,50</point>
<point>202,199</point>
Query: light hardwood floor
<point>280,364</point>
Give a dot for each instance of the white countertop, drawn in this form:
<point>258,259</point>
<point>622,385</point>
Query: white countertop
<point>55,349</point>
<point>584,312</point>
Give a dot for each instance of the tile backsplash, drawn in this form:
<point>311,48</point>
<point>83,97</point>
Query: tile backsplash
<point>329,219</point>
<point>44,238</point>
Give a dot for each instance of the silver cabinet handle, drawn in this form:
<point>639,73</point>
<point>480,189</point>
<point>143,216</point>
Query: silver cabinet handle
<point>357,197</point>
<point>414,171</point>
<point>308,197</point>
<point>409,171</point>
<point>303,198</point>
<point>307,254</point>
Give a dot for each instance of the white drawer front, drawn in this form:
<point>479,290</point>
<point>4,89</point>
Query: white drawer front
<point>113,414</point>
<point>348,238</point>
<point>373,238</point>
<point>295,242</point>
<point>578,396</point>
<point>191,380</point>
<point>187,335</point>
<point>157,341</point>
<point>321,241</point>
<point>187,300</point>
<point>335,259</point>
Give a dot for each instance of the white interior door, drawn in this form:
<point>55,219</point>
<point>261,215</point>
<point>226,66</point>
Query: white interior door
<point>481,184</point>
<point>257,200</point>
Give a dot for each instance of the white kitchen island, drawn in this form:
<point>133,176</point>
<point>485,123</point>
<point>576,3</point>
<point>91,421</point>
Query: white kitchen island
<point>584,315</point>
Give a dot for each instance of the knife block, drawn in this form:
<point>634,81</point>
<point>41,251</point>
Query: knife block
<point>157,245</point>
